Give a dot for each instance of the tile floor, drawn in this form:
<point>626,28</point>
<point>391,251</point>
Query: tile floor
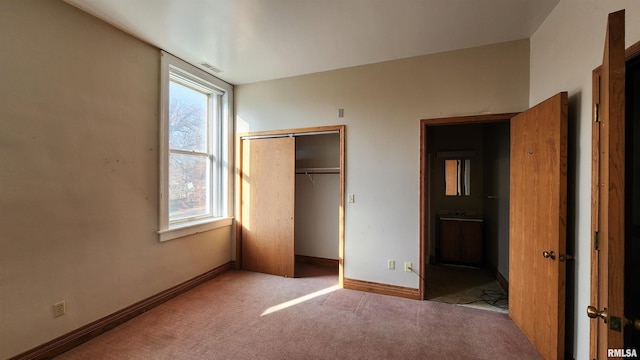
<point>465,286</point>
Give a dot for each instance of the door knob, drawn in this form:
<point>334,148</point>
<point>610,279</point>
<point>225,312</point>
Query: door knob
<point>593,313</point>
<point>549,254</point>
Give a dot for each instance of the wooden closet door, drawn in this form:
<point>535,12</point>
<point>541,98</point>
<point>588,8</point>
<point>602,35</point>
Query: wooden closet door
<point>268,205</point>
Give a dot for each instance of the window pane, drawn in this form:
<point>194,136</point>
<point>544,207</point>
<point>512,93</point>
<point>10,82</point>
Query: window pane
<point>188,186</point>
<point>187,118</point>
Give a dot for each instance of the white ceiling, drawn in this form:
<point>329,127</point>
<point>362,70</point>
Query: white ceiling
<point>255,40</point>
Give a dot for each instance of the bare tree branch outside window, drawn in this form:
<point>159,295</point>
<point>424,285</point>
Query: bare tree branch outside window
<point>189,163</point>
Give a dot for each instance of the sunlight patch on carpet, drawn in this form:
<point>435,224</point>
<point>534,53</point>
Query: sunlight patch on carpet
<point>299,300</point>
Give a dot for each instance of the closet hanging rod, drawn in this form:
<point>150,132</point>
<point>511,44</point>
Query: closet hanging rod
<point>330,170</point>
<point>251,137</point>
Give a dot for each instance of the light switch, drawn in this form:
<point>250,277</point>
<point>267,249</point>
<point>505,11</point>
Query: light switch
<point>351,198</point>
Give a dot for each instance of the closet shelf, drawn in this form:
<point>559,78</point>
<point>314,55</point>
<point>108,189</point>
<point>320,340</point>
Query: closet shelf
<point>323,170</point>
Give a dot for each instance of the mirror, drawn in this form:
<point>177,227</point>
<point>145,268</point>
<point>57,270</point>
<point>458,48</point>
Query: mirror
<point>457,177</point>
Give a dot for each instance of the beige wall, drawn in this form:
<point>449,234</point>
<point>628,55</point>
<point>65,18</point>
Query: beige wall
<point>79,175</point>
<point>383,104</point>
<point>564,51</point>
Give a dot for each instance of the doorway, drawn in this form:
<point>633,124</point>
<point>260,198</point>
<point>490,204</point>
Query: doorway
<point>317,212</point>
<point>537,218</point>
<point>429,220</point>
<point>466,235</point>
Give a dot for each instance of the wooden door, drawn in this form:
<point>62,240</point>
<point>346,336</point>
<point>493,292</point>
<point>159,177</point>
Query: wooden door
<point>607,210</point>
<point>537,215</point>
<point>268,205</point>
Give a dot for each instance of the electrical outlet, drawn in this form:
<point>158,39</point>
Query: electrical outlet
<point>407,266</point>
<point>59,309</point>
<point>351,198</point>
<point>391,265</point>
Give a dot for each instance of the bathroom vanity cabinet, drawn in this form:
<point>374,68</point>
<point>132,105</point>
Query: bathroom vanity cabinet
<point>461,241</point>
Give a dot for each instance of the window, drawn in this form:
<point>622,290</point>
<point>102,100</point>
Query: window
<point>194,156</point>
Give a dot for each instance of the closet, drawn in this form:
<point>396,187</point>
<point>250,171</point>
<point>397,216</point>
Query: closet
<point>317,199</point>
<point>291,199</point>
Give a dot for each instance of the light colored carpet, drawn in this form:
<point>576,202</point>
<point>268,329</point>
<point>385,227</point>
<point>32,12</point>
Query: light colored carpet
<point>246,315</point>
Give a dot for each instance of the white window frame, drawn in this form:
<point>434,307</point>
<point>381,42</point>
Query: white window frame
<point>220,175</point>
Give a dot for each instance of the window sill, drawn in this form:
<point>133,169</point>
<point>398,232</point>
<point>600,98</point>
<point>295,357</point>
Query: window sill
<point>183,230</point>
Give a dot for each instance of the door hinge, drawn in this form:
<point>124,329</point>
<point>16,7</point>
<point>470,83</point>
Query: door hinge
<point>596,241</point>
<point>596,112</point>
